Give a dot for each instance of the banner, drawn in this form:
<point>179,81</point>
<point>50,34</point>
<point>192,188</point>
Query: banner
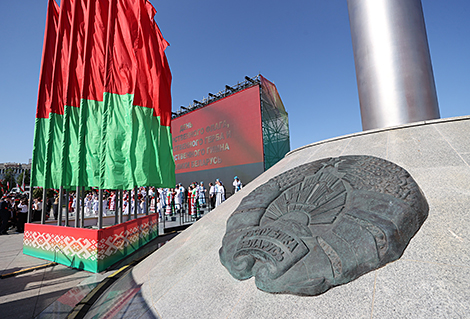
<point>222,134</point>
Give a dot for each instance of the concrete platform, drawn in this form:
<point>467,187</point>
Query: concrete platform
<point>26,295</point>
<point>185,279</point>
<point>36,288</point>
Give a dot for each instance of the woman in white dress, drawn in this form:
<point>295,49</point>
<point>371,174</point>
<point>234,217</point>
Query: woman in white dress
<point>219,193</point>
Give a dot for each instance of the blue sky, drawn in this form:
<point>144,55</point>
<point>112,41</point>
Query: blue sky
<point>303,46</point>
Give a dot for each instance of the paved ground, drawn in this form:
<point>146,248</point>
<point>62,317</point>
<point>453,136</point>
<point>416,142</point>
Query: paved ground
<point>51,291</point>
<point>27,295</point>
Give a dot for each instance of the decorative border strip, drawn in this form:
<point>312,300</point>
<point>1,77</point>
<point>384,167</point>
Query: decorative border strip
<point>89,249</point>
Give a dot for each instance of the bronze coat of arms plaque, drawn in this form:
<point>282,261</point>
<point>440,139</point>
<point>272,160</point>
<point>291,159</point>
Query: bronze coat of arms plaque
<point>323,224</point>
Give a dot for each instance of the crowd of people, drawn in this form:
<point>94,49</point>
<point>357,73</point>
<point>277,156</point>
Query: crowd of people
<point>13,213</point>
<point>164,201</point>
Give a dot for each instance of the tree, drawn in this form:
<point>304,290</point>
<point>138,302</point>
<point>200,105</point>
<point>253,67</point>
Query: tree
<point>37,193</point>
<point>9,177</point>
<point>26,175</point>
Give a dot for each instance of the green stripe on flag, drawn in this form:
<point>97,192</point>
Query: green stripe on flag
<point>137,149</point>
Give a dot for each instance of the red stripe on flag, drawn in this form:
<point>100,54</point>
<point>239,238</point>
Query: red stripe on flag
<point>61,58</point>
<point>153,84</point>
<point>121,66</point>
<point>96,25</point>
<point>75,59</point>
<point>46,71</point>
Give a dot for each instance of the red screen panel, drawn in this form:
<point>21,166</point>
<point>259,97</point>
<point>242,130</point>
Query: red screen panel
<point>224,133</point>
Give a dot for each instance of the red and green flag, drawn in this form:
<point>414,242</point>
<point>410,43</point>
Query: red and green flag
<point>104,100</point>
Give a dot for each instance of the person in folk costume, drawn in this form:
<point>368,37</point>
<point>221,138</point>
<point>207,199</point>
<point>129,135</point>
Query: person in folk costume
<point>125,204</point>
<point>142,195</point>
<point>159,207</point>
<point>191,201</point>
<point>88,205</point>
<point>74,203</point>
<point>96,205</point>
<point>134,202</point>
<point>177,199</point>
<point>202,194</point>
<point>157,196</point>
<point>83,205</point>
<point>71,203</point>
<point>191,206</point>
<point>163,196</point>
<point>142,204</point>
<point>169,198</point>
<point>139,203</point>
<point>152,204</point>
<point>189,197</point>
<point>219,193</point>
<point>181,191</point>
<point>195,201</point>
<point>112,202</point>
<point>175,194</point>
<point>237,184</point>
<point>105,205</point>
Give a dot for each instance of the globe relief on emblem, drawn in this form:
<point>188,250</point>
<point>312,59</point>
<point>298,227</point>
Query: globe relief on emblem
<point>323,224</point>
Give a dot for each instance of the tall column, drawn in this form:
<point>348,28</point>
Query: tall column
<point>393,65</point>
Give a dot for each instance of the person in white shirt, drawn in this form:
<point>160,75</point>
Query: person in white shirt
<point>37,209</point>
<point>105,206</point>
<point>159,207</point>
<point>237,185</point>
<point>22,215</point>
<point>96,205</point>
<point>212,195</point>
<point>219,193</point>
<point>178,199</point>
<point>88,205</point>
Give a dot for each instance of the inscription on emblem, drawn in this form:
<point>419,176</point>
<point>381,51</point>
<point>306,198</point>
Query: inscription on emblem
<point>289,242</point>
<point>276,252</point>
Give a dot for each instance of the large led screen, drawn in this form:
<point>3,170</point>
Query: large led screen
<point>223,134</point>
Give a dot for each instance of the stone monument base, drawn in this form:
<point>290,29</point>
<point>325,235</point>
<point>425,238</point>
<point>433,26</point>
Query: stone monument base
<point>185,278</point>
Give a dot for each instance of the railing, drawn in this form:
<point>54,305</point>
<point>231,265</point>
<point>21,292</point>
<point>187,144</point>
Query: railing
<point>171,216</point>
<point>176,215</point>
